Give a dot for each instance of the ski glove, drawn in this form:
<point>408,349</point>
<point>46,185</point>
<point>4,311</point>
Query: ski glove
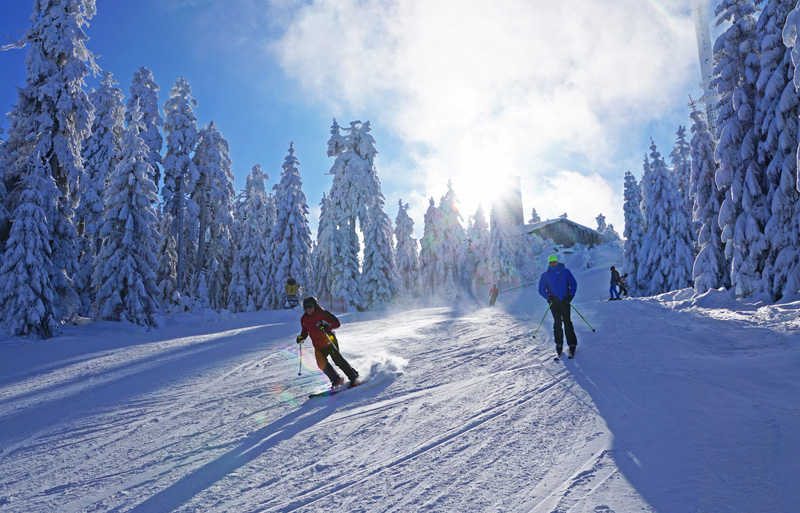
<point>551,299</point>
<point>322,325</point>
<point>568,299</point>
<point>300,339</point>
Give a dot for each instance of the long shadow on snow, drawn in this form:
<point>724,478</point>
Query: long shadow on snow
<point>256,444</point>
<point>183,361</point>
<point>664,424</point>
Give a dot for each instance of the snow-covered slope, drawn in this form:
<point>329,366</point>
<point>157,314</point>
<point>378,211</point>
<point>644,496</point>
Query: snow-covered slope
<point>673,405</point>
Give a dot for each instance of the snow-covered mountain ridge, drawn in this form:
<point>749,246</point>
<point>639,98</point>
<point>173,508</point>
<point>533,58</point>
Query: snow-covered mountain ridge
<point>675,404</point>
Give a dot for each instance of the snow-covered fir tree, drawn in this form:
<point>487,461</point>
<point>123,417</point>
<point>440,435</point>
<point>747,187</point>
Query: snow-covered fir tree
<point>502,250</point>
<point>144,91</point>
<point>251,263</point>
<point>406,252</point>
<point>534,217</point>
<point>5,215</point>
<point>709,270</point>
<point>100,153</point>
<point>777,119</point>
<point>478,251</point>
<point>26,290</point>
<point>52,117</point>
<point>324,254</point>
<point>429,253</point>
<point>601,223</point>
<point>167,262</point>
<point>607,231</point>
<point>180,179</point>
<point>125,275</point>
<point>215,197</point>
<point>352,196</point>
<point>290,242</point>
<point>680,158</point>
<point>734,55</point>
<point>668,264</point>
<point>379,275</point>
<point>610,234</point>
<point>452,238</point>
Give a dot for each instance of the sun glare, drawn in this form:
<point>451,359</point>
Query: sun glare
<point>482,190</point>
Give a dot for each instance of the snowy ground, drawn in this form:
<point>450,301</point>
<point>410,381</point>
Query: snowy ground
<point>673,405</point>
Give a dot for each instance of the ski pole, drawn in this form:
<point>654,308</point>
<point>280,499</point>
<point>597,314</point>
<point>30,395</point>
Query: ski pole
<point>584,320</point>
<point>300,372</point>
<point>540,322</point>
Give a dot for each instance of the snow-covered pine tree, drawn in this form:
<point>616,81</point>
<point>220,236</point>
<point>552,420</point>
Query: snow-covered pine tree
<point>379,276</point>
<point>290,242</point>
<point>710,268</point>
<point>167,262</point>
<point>534,217</point>
<point>611,235</point>
<point>632,257</point>
<point>735,57</point>
<point>180,179</point>
<point>452,237</point>
<point>352,194</point>
<point>215,197</point>
<point>502,249</point>
<point>100,154</point>
<point>429,252</point>
<point>777,119</point>
<point>680,157</point>
<point>601,223</point>
<point>670,258</point>
<point>346,275</point>
<point>26,291</point>
<point>5,215</point>
<point>251,265</point>
<point>125,275</point>
<point>52,117</point>
<point>406,252</point>
<point>478,249</point>
<point>324,254</point>
<point>144,91</point>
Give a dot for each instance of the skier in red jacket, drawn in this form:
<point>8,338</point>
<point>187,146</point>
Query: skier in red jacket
<point>319,323</point>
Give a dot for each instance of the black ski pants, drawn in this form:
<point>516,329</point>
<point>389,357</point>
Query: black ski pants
<point>333,351</point>
<point>561,314</point>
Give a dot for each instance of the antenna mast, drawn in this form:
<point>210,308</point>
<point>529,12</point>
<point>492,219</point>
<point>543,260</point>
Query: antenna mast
<point>705,52</point>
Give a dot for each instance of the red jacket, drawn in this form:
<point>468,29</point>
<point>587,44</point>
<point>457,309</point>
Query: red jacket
<point>309,325</point>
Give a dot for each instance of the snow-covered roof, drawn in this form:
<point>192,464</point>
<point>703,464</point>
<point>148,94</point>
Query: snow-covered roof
<point>532,227</point>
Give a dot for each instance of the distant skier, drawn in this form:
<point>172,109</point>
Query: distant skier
<point>558,286</point>
<point>623,284</point>
<point>614,282</point>
<point>493,294</point>
<point>291,288</point>
<point>319,323</point>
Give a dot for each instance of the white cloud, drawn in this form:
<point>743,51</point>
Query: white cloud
<point>480,89</point>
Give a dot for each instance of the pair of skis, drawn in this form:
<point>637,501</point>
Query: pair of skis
<point>337,390</point>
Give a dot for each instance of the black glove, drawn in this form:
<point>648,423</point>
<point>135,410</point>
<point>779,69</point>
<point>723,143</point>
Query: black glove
<point>300,339</point>
<point>568,299</point>
<point>322,325</point>
<point>551,299</point>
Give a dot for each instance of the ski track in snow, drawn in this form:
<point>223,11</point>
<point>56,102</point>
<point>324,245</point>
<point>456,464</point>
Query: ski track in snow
<point>674,404</point>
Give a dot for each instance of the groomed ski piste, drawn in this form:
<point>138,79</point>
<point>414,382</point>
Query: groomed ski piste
<point>674,404</point>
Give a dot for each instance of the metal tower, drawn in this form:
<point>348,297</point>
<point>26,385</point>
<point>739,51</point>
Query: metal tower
<point>705,52</point>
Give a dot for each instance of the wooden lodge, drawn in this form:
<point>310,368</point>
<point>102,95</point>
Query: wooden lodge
<point>564,232</point>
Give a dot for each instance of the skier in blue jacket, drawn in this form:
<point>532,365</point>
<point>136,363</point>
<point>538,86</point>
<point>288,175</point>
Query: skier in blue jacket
<point>558,286</point>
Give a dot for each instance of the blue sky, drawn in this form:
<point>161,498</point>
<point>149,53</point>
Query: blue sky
<point>565,95</point>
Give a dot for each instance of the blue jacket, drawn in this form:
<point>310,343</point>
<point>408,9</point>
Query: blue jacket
<point>558,281</point>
